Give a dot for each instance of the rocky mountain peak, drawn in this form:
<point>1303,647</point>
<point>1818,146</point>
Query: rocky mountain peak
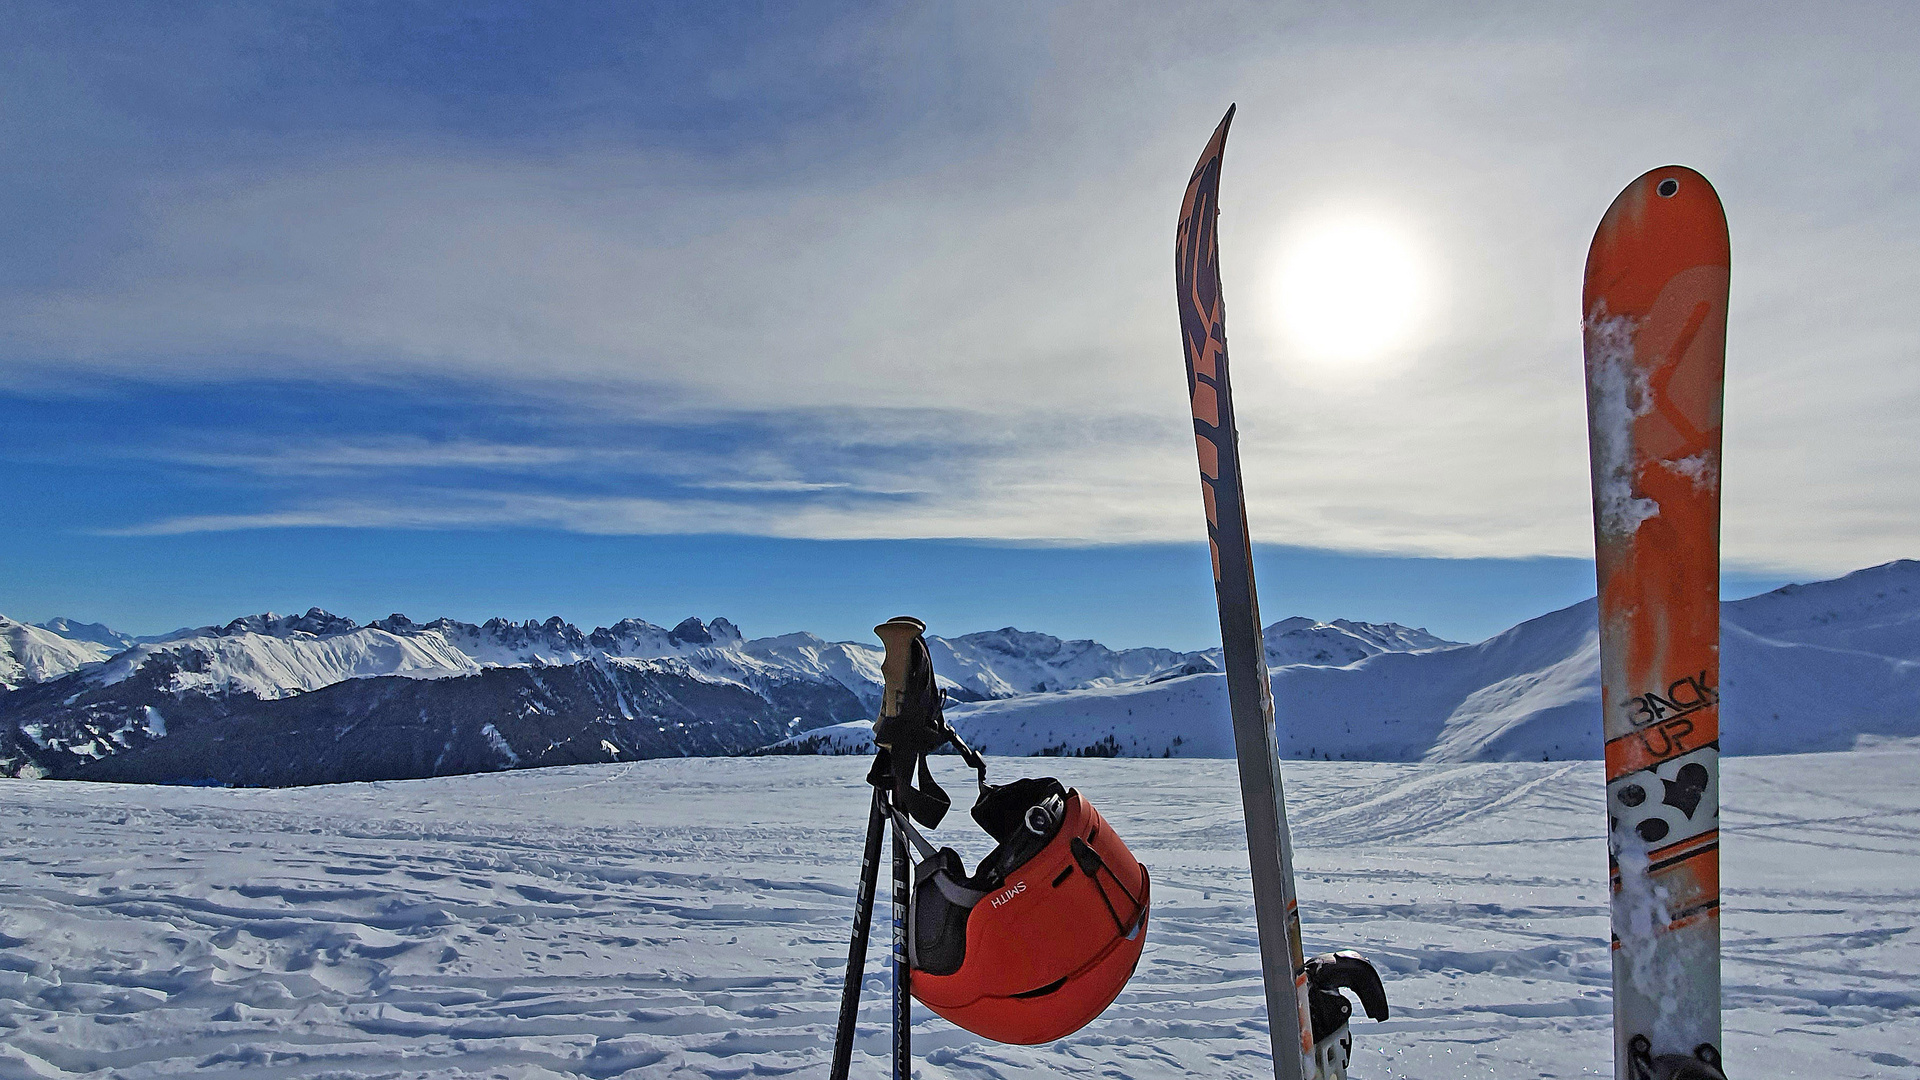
<point>691,631</point>
<point>317,621</point>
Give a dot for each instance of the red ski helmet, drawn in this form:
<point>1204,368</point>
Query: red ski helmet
<point>1041,938</point>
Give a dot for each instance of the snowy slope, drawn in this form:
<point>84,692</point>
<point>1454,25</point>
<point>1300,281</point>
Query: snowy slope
<point>852,665</point>
<point>1338,643</point>
<point>1874,611</point>
<point>673,920</point>
<point>1808,667</point>
<point>1387,706</point>
<point>1008,662</point>
<point>30,653</point>
<point>278,664</point>
<point>98,633</point>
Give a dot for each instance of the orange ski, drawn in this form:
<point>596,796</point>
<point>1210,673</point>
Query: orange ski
<point>1655,309</point>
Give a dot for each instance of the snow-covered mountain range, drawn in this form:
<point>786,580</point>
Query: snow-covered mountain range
<point>1825,666</point>
<point>272,699</point>
<point>296,698</point>
<point>274,656</point>
<point>31,653</point>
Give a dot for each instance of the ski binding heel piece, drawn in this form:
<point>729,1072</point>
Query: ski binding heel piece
<point>1327,975</point>
<point>1703,1065</point>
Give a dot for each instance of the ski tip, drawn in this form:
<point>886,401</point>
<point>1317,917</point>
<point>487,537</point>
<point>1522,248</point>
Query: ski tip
<point>1218,143</point>
<point>1667,220</point>
<point>1206,172</point>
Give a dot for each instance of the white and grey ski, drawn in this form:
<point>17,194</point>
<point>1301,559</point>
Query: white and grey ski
<point>1305,1007</point>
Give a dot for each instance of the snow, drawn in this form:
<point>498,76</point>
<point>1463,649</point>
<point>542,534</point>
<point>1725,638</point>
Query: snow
<point>1874,611</point>
<point>1820,667</point>
<point>856,667</point>
<point>1826,666</point>
<point>499,744</point>
<point>271,666</point>
<point>98,633</point>
<point>1303,641</point>
<point>1616,397</point>
<point>688,918</point>
<point>272,656</point>
<point>30,653</point>
<point>1008,662</point>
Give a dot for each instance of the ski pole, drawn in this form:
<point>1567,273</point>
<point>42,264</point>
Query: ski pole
<point>902,972</point>
<point>857,951</point>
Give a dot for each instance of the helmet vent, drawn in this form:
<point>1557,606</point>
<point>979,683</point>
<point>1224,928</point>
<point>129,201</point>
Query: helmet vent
<point>1045,990</point>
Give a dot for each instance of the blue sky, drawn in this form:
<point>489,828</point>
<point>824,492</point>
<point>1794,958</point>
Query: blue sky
<point>808,314</point>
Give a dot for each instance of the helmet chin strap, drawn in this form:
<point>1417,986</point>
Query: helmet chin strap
<point>920,843</point>
<point>1091,864</point>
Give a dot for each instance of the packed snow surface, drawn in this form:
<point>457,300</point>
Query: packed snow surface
<point>689,918</point>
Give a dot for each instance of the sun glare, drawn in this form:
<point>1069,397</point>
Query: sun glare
<point>1350,289</point>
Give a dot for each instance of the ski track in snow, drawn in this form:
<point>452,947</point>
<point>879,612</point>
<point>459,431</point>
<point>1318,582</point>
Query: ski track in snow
<point>689,919</point>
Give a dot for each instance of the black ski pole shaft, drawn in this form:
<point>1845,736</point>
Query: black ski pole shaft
<point>862,926</point>
<point>902,973</point>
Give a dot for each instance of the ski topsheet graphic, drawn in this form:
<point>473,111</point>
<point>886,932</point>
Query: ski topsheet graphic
<point>1655,309</point>
<point>1203,328</point>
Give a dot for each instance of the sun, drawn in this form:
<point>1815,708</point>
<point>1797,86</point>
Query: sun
<point>1351,289</point>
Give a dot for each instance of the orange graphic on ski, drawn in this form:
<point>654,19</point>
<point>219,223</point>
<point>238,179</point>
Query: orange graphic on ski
<point>1655,309</point>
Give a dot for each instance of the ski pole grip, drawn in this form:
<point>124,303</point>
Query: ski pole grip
<point>898,634</point>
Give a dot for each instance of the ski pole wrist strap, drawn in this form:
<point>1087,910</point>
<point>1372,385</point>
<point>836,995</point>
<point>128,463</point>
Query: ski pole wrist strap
<point>912,725</point>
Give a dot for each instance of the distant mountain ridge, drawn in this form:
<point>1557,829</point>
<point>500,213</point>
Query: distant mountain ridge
<point>1823,666</point>
<point>282,699</point>
<point>30,653</point>
<point>271,655</point>
<point>97,633</point>
<point>205,704</point>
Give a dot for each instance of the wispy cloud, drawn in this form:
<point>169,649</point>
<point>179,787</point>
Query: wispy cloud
<point>790,486</point>
<point>965,329</point>
<point>375,454</point>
